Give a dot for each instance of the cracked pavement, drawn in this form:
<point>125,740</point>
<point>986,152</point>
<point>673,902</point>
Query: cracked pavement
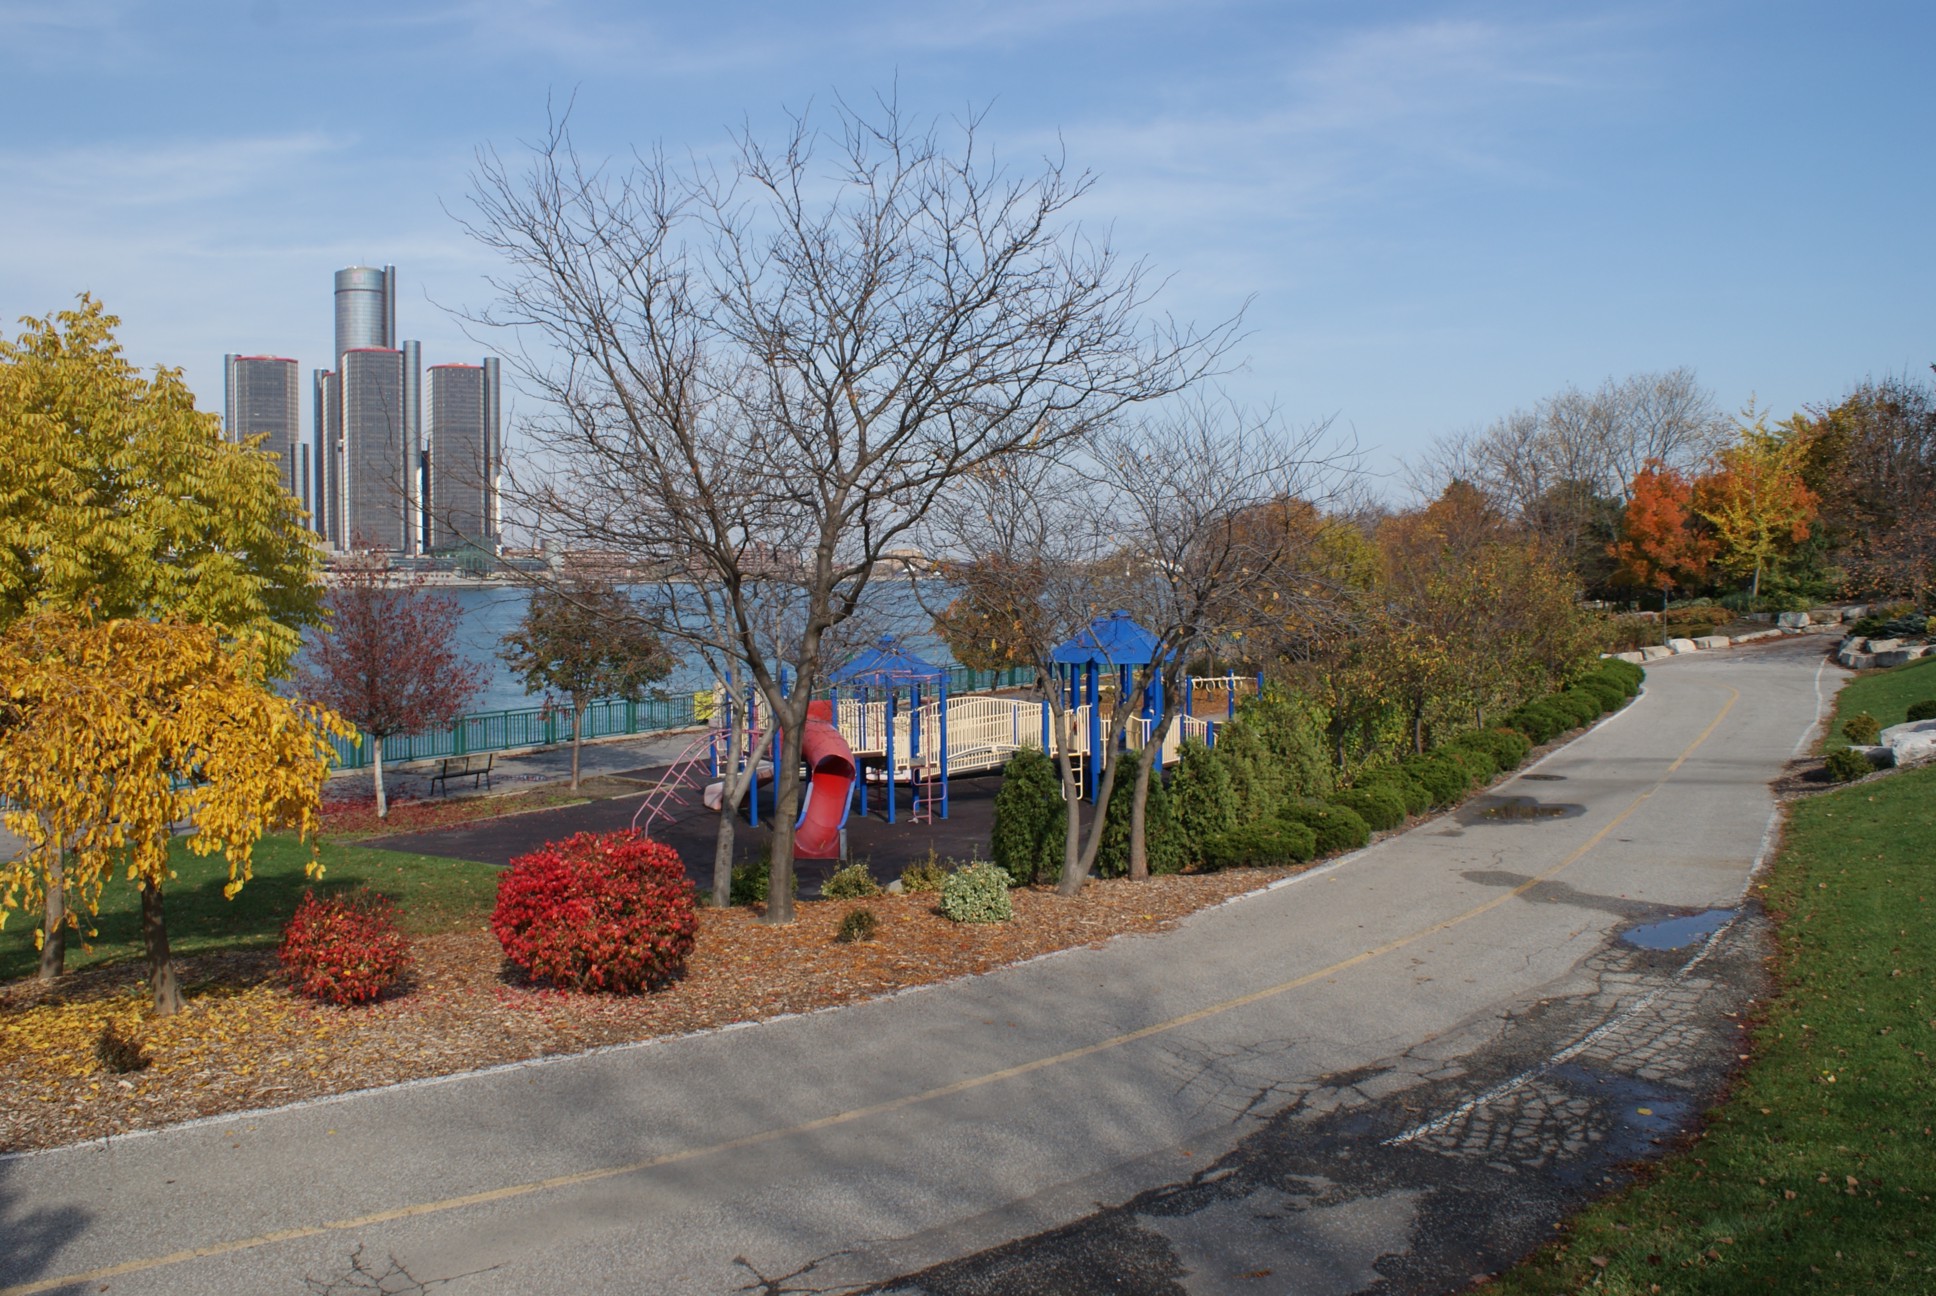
<point>1390,1075</point>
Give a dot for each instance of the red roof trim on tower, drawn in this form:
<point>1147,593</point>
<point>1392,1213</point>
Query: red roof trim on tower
<point>277,359</point>
<point>456,366</point>
<point>377,350</point>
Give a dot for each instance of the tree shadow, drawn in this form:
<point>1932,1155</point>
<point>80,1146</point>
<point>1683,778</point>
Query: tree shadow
<point>35,1235</point>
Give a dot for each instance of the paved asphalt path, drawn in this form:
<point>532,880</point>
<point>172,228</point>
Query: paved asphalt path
<point>1389,1074</point>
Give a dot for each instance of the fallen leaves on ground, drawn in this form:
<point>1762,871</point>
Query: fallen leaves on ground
<point>352,818</point>
<point>247,1041</point>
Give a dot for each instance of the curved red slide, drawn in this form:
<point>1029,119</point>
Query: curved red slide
<point>830,786</point>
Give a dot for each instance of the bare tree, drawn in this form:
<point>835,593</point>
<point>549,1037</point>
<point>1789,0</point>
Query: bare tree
<point>1565,467</point>
<point>1028,574</point>
<point>1204,509</point>
<point>760,382</point>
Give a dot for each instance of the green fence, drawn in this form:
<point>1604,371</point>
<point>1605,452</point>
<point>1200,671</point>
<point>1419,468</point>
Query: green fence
<point>540,726</point>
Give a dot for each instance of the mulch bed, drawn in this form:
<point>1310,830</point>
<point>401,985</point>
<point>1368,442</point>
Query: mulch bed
<point>352,817</point>
<point>247,1041</point>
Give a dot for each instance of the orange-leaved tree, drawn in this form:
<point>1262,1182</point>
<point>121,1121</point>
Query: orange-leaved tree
<point>1757,501</point>
<point>117,730</point>
<point>1662,545</point>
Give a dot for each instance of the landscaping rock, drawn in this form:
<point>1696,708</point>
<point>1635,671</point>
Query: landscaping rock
<point>1654,652</point>
<point>1856,660</point>
<point>1636,657</point>
<point>1881,645</point>
<point>1711,641</point>
<point>1681,646</point>
<point>1897,657</point>
<point>1792,620</point>
<point>1911,744</point>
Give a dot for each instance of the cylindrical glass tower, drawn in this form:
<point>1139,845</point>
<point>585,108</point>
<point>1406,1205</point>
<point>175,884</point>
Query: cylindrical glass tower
<point>366,309</point>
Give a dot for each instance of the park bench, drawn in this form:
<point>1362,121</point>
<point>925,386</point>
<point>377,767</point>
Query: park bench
<point>476,767</point>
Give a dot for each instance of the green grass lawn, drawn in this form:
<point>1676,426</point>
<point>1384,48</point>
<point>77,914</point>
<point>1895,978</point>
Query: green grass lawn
<point>431,894</point>
<point>1818,1173</point>
<point>1884,694</point>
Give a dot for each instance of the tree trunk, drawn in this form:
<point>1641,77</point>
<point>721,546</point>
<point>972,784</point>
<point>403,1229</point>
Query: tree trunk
<point>1754,590</point>
<point>1139,819</point>
<point>786,787</point>
<point>1072,871</point>
<point>53,934</point>
<point>161,966</point>
<point>578,706</point>
<point>376,765</point>
<point>731,795</point>
<point>1092,843</point>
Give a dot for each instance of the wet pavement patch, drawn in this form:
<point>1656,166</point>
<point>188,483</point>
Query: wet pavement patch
<point>1516,809</point>
<point>1545,778</point>
<point>1677,933</point>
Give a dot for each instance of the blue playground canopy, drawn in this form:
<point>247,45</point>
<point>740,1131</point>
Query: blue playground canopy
<point>1112,640</point>
<point>885,665</point>
<point>888,667</point>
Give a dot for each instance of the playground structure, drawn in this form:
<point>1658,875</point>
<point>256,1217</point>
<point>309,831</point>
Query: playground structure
<point>890,724</point>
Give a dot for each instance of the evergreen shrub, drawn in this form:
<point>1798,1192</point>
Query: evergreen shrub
<point>1336,827</point>
<point>857,925</point>
<point>924,875</point>
<point>1862,729</point>
<point>1377,804</point>
<point>751,878</point>
<point>611,912</point>
<point>977,893</point>
<point>853,882</point>
<point>1262,843</point>
<point>1204,803</point>
<point>1923,710</point>
<point>1410,792</point>
<point>1847,765</point>
<point>1539,722</point>
<point>344,948</point>
<point>1030,818</point>
<point>1446,780</point>
<point>1476,763</point>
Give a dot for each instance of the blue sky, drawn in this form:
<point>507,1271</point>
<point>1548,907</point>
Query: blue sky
<point>1440,211</point>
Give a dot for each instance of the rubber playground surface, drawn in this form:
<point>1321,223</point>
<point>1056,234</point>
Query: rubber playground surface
<point>886,848</point>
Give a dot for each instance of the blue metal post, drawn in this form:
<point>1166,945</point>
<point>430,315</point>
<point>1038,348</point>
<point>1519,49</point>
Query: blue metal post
<point>752,757</point>
<point>1189,696</point>
<point>887,714</point>
<point>1230,692</point>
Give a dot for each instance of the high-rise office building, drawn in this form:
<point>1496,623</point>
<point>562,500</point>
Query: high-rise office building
<point>260,397</point>
<point>464,455</point>
<point>369,432</point>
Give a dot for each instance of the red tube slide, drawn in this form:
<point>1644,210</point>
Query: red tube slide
<point>830,786</point>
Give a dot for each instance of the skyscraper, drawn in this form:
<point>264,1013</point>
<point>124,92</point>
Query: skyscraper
<point>260,396</point>
<point>464,454</point>
<point>369,431</point>
<point>379,451</point>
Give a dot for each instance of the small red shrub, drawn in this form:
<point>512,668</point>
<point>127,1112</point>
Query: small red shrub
<point>344,948</point>
<point>597,912</point>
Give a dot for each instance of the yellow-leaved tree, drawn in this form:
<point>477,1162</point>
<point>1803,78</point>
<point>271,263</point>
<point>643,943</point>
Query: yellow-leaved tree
<point>118,499</point>
<point>116,731</point>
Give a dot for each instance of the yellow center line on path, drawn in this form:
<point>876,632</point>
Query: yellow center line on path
<point>511,1191</point>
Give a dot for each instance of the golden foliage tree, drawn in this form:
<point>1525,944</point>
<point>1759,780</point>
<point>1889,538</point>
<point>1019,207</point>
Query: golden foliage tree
<point>117,730</point>
<point>119,499</point>
<point>1757,501</point>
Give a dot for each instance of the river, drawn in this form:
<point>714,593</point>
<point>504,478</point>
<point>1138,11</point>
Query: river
<point>487,613</point>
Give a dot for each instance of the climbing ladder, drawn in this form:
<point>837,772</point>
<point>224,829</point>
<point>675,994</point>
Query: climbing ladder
<point>925,779</point>
<point>671,788</point>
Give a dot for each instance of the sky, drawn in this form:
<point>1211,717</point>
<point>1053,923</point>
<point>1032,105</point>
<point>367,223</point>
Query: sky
<point>1430,214</point>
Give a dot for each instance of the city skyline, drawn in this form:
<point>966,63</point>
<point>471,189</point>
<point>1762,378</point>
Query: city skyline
<point>365,472</point>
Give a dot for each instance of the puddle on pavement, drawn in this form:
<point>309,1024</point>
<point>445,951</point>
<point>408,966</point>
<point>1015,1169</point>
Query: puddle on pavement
<point>1677,933</point>
<point>1545,778</point>
<point>1513,809</point>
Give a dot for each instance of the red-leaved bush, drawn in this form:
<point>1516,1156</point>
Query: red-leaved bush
<point>344,948</point>
<point>610,911</point>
